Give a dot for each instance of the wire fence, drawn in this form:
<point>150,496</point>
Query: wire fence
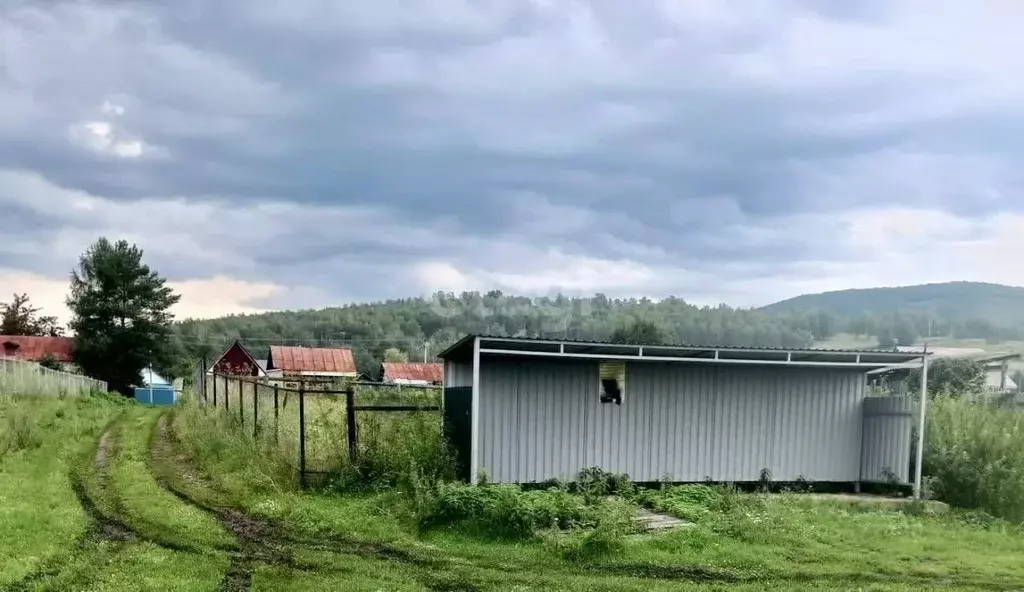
<point>18,377</point>
<point>319,423</point>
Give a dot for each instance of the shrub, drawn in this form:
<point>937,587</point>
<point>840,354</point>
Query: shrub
<point>975,454</point>
<point>394,445</point>
<point>502,511</point>
<point>615,520</point>
<point>689,502</point>
<point>596,482</point>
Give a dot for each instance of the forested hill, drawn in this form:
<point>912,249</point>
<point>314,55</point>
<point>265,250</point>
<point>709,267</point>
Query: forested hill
<point>443,318</point>
<point>1002,306</point>
<point>425,326</point>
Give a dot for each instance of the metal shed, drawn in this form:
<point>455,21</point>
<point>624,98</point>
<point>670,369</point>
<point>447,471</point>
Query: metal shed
<point>529,410</point>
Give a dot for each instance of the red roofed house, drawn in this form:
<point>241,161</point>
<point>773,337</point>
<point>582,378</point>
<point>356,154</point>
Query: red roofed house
<point>237,360</point>
<point>422,373</point>
<point>34,349</point>
<point>313,364</point>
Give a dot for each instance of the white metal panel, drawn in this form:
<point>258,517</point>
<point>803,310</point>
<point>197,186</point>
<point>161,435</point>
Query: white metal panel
<point>544,419</point>
<point>888,424</point>
<point>458,373</point>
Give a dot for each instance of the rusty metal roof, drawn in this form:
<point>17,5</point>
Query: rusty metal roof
<point>311,359</point>
<point>25,347</point>
<point>414,371</point>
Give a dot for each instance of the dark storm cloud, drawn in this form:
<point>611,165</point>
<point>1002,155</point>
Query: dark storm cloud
<point>698,136</point>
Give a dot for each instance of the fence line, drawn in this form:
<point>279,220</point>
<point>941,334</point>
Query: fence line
<point>18,377</point>
<point>309,430</point>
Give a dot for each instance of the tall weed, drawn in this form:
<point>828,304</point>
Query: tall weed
<point>500,511</point>
<point>226,450</point>
<point>975,454</point>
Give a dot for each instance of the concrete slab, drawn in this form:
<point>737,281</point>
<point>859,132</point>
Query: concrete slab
<point>648,521</point>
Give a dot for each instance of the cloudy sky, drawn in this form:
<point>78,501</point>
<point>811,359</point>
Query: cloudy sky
<point>309,153</point>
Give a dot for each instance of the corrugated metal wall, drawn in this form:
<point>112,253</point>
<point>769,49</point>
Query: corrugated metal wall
<point>543,419</point>
<point>458,373</point>
<point>888,425</point>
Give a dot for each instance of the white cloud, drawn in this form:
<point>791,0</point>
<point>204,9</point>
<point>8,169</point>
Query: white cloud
<point>200,298</point>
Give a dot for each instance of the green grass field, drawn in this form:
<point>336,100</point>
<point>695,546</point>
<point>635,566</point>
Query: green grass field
<point>99,494</point>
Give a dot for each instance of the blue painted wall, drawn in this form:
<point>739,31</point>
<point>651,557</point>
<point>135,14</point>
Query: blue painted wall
<point>155,395</point>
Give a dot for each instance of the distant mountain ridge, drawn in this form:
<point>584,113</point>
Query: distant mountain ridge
<point>998,304</point>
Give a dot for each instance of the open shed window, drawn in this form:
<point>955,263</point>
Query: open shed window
<point>613,382</point>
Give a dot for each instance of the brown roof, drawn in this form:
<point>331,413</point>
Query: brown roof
<point>426,371</point>
<point>33,349</point>
<point>311,359</point>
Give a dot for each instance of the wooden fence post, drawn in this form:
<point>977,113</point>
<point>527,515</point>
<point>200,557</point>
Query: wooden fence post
<point>227,394</point>
<point>214,388</point>
<point>255,412</point>
<point>350,412</point>
<point>276,430</point>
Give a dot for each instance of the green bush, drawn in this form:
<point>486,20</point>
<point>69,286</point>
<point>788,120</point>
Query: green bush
<point>596,482</point>
<point>975,454</point>
<point>502,511</point>
<point>689,502</point>
<point>614,522</point>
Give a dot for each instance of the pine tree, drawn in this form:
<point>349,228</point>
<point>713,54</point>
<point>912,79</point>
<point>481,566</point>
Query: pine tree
<point>120,315</point>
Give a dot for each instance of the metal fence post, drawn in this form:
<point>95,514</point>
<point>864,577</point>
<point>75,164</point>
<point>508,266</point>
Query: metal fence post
<point>350,413</point>
<point>302,435</point>
<point>276,430</point>
<point>255,412</point>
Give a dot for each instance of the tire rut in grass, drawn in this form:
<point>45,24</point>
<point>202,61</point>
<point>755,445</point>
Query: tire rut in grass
<point>101,528</point>
<point>264,542</point>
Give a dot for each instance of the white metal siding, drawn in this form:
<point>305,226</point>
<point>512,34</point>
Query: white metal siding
<point>888,423</point>
<point>541,420</point>
<point>458,373</point>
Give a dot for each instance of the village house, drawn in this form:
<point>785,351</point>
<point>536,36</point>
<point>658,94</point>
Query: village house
<point>412,373</point>
<point>311,366</point>
<point>238,361</point>
<point>35,349</point>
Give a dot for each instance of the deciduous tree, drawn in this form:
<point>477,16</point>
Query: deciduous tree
<point>18,317</point>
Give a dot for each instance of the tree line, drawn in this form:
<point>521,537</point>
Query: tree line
<point>122,323</point>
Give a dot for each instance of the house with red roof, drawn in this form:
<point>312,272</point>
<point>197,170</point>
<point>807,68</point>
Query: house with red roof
<point>417,373</point>
<point>238,361</point>
<point>290,365</point>
<point>30,348</point>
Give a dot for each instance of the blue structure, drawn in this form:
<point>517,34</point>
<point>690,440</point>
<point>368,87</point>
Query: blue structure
<point>155,390</point>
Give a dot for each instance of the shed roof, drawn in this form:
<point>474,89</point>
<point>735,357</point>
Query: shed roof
<point>602,350</point>
<point>311,359</point>
<point>413,371</point>
<point>981,356</point>
<point>33,348</point>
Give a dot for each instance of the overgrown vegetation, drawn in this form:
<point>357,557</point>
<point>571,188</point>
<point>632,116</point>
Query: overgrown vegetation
<point>41,439</point>
<point>974,454</point>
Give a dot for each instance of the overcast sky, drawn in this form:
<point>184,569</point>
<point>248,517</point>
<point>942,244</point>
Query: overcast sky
<point>270,154</point>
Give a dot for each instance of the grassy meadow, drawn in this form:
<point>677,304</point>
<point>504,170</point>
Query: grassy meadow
<point>98,493</point>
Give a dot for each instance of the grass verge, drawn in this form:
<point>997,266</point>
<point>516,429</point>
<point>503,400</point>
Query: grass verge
<point>739,542</point>
<point>40,516</point>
